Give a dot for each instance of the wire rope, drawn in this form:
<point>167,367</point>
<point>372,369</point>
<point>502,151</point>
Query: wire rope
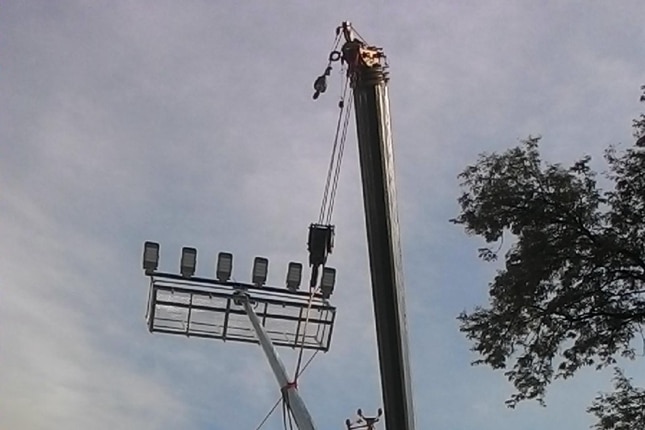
<point>312,292</point>
<point>284,414</point>
<point>268,415</point>
<point>289,415</point>
<point>341,151</point>
<point>336,159</point>
<point>281,399</point>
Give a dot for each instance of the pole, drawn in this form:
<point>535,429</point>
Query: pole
<point>289,389</point>
<point>369,80</point>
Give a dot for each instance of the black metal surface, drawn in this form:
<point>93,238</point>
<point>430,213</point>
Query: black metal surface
<point>377,172</point>
<point>208,282</point>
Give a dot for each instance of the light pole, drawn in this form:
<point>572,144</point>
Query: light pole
<point>218,308</point>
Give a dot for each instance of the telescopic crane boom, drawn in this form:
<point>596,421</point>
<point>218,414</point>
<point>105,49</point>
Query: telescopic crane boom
<point>367,78</point>
<point>367,71</point>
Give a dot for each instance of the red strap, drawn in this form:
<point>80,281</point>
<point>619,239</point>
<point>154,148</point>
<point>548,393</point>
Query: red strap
<point>293,384</point>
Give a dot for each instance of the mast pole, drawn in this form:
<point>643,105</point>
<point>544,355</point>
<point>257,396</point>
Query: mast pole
<point>289,389</point>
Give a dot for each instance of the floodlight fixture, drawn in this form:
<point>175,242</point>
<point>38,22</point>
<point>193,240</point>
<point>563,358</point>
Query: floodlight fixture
<point>260,270</point>
<point>224,266</point>
<point>294,276</point>
<point>188,261</point>
<point>327,281</point>
<point>150,256</point>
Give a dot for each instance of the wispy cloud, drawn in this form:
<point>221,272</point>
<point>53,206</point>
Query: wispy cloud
<point>192,124</point>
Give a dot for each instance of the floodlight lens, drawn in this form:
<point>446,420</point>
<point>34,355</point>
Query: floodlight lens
<point>327,281</point>
<point>294,275</point>
<point>260,270</point>
<point>224,266</point>
<point>188,261</point>
<point>150,256</point>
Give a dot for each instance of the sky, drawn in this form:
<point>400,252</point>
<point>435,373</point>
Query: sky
<point>191,124</point>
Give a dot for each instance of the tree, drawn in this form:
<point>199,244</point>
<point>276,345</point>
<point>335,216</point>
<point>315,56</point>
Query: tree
<point>621,410</point>
<point>571,293</point>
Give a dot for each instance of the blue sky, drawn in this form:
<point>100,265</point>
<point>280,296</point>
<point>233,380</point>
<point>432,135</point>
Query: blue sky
<point>191,123</point>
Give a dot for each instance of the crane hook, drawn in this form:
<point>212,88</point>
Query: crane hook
<point>320,85</point>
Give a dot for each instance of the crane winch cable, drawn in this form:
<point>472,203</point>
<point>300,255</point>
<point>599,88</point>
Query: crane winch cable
<point>336,159</point>
<point>339,161</point>
<point>321,234</point>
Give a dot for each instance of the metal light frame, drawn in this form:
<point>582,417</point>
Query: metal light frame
<point>213,308</point>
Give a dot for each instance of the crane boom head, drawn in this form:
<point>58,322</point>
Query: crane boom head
<point>357,54</point>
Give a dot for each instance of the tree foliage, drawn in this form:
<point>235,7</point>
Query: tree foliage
<point>621,410</point>
<point>571,292</point>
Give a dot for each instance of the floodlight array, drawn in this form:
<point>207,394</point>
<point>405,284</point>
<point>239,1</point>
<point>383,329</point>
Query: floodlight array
<point>224,269</point>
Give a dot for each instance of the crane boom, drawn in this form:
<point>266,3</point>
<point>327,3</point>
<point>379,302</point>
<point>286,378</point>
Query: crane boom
<point>368,73</point>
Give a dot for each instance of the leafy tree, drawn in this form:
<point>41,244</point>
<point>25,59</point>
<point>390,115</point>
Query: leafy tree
<point>571,293</point>
<point>621,410</point>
